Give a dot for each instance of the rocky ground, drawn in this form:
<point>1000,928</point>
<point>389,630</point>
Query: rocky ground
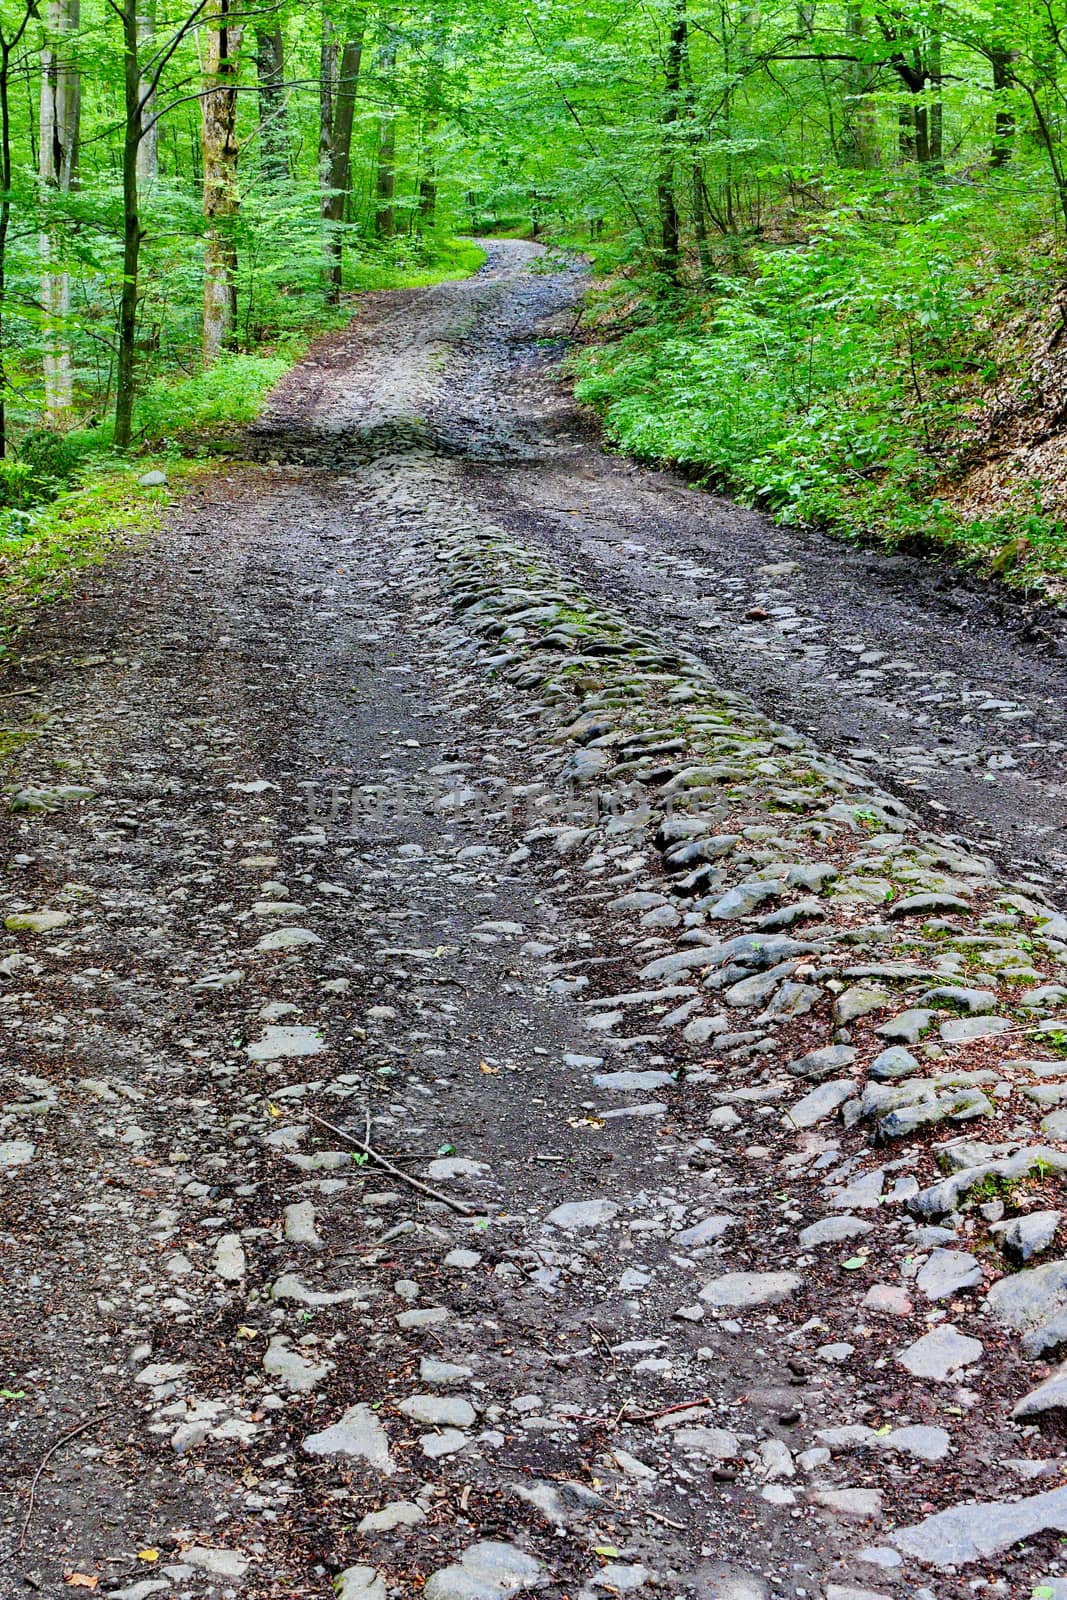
<point>488,1107</point>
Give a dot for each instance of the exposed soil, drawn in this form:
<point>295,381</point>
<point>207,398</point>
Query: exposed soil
<point>274,720</point>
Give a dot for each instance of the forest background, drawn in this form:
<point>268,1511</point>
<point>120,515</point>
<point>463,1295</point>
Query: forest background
<point>829,238</point>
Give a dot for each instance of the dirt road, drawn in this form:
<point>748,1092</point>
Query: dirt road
<point>488,1107</point>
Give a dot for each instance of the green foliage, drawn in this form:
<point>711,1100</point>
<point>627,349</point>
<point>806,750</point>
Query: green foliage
<point>42,552</point>
<point>838,384</point>
<point>227,395</point>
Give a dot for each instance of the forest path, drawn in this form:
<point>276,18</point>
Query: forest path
<point>350,810</point>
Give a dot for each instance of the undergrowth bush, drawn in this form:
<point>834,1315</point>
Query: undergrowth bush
<point>841,383</point>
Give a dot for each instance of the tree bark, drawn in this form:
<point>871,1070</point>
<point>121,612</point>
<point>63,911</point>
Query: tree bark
<point>219,140</point>
<point>148,148</point>
<point>132,232</point>
<point>339,170</point>
<point>670,242</point>
<point>273,129</point>
<point>861,128</point>
<point>58,153</point>
<point>385,184</point>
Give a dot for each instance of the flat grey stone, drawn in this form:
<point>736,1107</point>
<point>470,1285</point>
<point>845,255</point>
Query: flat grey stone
<point>940,1354</point>
<point>397,1514</point>
<point>707,1231</point>
<point>717,1443</point>
<point>896,1062</point>
<point>439,1411</point>
<point>946,1272</point>
<point>621,1577</point>
<point>856,1505</point>
<point>821,1103</point>
<point>915,905</point>
<point>1048,1396</point>
<point>446,1442</point>
<point>743,900</point>
<point>152,480</point>
<point>628,1082</point>
<point>907,1027</point>
<point>422,1317</point>
<point>858,1001</point>
<point>922,1442</point>
<point>575,1215</point>
<point>739,1291</point>
<point>279,1043</point>
<point>1054,1126</point>
<point>36,921</point>
<point>360,1583</point>
<point>228,1258</point>
<point>981,1530</point>
<point>442,1373</point>
<point>221,1563</point>
<point>833,1230</point>
<point>16,1152</point>
<point>299,1224</point>
<point>489,1570</point>
<point>1025,1237</point>
<point>287,939</point>
<point>297,1374</point>
<point>822,1063</point>
<point>360,1434</point>
<point>962,1029</point>
<point>976,1002</point>
<point>1027,1300</point>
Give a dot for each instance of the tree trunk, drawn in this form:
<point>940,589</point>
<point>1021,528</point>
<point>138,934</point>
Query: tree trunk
<point>328,63</point>
<point>670,244</point>
<point>428,176</point>
<point>148,149</point>
<point>339,174</point>
<point>935,120</point>
<point>385,185</point>
<point>273,131</point>
<point>1003,115</point>
<point>860,145</point>
<point>132,233</point>
<point>58,147</point>
<point>219,140</point>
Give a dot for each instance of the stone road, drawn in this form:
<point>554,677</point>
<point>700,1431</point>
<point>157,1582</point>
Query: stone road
<point>486,1109</point>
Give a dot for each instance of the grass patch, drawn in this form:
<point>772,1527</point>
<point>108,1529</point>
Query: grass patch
<point>413,267</point>
<point>42,552</point>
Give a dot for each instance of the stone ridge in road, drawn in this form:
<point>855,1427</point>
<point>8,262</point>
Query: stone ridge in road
<point>523,801</point>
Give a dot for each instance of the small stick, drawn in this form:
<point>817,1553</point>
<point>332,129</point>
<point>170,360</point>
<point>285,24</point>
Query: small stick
<point>64,1438</point>
<point>382,1161</point>
<point>657,1516</point>
<point>17,694</point>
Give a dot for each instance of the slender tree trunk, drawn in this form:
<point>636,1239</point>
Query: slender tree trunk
<point>58,148</point>
<point>385,185</point>
<point>273,131</point>
<point>1003,115</point>
<point>428,176</point>
<point>219,140</point>
<point>861,129</point>
<point>148,149</point>
<point>132,233</point>
<point>670,242</point>
<point>339,175</point>
<point>935,120</point>
<point>328,65</point>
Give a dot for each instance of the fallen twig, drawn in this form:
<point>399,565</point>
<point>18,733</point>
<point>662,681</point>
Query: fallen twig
<point>643,1416</point>
<point>383,1161</point>
<point>64,1438</point>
